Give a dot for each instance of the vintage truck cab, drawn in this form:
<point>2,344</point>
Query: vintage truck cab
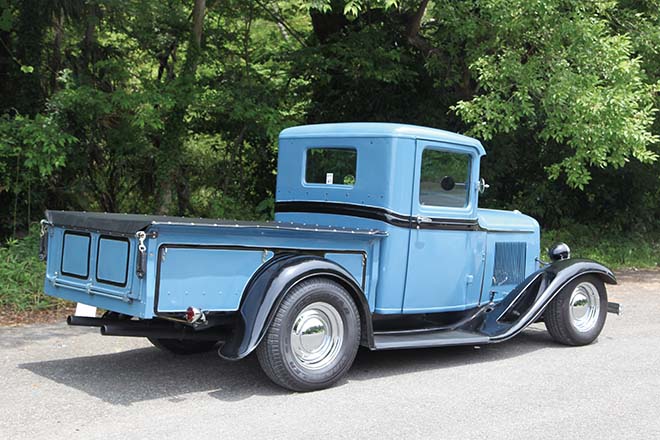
<point>378,241</point>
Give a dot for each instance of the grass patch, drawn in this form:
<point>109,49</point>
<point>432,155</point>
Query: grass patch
<point>614,249</point>
<point>22,276</point>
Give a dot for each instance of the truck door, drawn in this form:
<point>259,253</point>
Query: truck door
<point>446,248</point>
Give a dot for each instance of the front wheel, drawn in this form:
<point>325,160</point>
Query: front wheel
<point>577,314</point>
<point>313,338</point>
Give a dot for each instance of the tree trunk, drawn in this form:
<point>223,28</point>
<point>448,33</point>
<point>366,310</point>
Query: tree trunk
<point>7,69</point>
<point>32,24</point>
<point>195,49</point>
<point>171,171</point>
<point>56,56</point>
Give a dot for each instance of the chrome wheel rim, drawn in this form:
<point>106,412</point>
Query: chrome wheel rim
<point>317,335</point>
<point>584,307</point>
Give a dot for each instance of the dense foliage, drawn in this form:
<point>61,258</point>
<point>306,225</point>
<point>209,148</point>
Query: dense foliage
<point>22,275</point>
<point>173,106</point>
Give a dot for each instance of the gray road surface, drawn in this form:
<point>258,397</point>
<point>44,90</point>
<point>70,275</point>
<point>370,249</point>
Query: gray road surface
<point>72,383</point>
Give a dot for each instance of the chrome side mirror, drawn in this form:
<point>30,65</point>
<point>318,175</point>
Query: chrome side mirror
<point>483,186</point>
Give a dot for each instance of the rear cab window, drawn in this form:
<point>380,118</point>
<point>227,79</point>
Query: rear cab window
<point>331,166</point>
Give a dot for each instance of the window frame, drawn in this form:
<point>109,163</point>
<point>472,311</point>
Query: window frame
<point>128,259</point>
<point>305,183</point>
<point>442,212</point>
<point>468,187</point>
<point>86,235</point>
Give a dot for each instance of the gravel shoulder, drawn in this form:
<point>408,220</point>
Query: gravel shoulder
<point>60,382</point>
<point>46,316</point>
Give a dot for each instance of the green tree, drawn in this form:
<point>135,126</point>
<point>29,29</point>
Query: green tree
<point>175,107</point>
<point>560,72</point>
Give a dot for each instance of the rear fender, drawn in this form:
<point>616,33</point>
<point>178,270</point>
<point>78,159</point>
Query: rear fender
<point>267,288</point>
<point>527,302</point>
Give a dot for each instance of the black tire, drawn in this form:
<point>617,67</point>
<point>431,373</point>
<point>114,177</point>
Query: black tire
<point>562,326</point>
<point>276,351</point>
<point>183,347</point>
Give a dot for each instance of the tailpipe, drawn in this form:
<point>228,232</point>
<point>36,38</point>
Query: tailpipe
<point>615,308</point>
<point>148,330</point>
<point>85,321</point>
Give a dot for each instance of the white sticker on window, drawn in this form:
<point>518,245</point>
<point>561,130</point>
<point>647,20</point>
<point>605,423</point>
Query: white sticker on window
<point>329,178</point>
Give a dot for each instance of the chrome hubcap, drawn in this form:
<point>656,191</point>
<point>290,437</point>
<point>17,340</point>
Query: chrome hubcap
<point>584,307</point>
<point>317,336</point>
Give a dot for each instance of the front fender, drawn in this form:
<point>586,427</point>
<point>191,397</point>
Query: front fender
<point>564,271</point>
<point>266,289</point>
<point>525,304</point>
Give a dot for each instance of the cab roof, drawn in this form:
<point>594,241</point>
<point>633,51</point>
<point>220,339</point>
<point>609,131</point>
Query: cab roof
<point>379,130</point>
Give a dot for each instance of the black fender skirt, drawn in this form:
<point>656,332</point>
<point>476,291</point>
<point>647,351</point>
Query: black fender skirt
<point>527,302</point>
<point>268,287</point>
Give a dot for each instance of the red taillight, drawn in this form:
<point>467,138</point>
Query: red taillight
<point>193,315</point>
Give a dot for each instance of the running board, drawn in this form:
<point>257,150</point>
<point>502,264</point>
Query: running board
<point>400,340</point>
<point>523,306</point>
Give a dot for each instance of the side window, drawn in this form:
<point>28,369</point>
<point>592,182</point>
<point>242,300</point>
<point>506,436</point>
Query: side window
<point>444,179</point>
<point>331,166</point>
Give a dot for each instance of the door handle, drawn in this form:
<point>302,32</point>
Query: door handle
<point>422,219</point>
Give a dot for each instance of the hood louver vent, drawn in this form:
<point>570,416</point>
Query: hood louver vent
<point>509,263</point>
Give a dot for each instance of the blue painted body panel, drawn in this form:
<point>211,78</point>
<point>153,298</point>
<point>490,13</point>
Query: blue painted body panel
<point>205,266</point>
<point>393,264</point>
<point>444,265</point>
<point>377,158</point>
<point>421,270</point>
<point>379,130</point>
<point>206,278</point>
<point>126,299</point>
<point>246,249</point>
<point>401,269</point>
<point>508,221</point>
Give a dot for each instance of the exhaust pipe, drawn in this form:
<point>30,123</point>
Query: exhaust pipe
<point>85,321</point>
<point>615,308</point>
<point>146,330</point>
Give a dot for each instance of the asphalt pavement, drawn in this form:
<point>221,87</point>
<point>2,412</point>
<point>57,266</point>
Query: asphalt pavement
<point>72,383</point>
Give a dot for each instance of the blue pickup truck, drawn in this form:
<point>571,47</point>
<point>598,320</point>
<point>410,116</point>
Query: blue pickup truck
<point>377,241</point>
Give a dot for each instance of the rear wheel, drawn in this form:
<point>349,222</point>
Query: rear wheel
<point>577,314</point>
<point>183,347</point>
<point>313,338</point>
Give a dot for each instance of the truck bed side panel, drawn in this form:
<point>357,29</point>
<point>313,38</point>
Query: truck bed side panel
<point>211,279</point>
<point>197,266</point>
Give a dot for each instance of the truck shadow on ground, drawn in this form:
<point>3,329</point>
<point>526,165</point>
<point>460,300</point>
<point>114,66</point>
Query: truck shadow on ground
<point>147,373</point>
<point>19,336</point>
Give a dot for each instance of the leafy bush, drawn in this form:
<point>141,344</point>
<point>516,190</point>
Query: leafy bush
<point>22,275</point>
<point>612,248</point>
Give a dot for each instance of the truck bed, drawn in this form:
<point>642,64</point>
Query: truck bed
<point>94,258</point>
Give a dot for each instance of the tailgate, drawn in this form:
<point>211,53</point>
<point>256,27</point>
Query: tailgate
<point>95,267</point>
